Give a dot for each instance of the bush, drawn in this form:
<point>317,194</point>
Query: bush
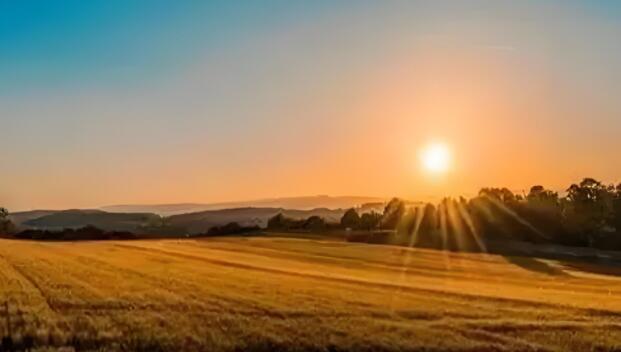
<point>232,228</point>
<point>350,220</point>
<point>87,233</point>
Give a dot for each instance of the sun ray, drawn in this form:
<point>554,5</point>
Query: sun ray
<point>517,217</point>
<point>470,224</point>
<point>486,210</point>
<point>457,226</point>
<point>408,255</point>
<point>444,236</point>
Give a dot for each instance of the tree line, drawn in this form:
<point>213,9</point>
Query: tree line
<point>588,215</point>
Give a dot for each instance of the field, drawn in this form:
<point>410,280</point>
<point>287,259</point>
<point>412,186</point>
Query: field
<point>281,294</point>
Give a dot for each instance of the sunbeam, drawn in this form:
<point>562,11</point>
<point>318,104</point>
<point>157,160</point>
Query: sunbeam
<point>408,255</point>
<point>444,235</point>
<point>470,224</point>
<point>516,217</point>
<point>457,226</point>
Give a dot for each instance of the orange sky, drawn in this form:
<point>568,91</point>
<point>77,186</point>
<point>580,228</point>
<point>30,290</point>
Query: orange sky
<point>338,101</point>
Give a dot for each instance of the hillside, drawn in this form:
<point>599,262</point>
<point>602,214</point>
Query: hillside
<point>19,218</point>
<point>193,223</point>
<point>98,218</point>
<point>303,203</point>
<point>201,221</point>
<point>278,294</point>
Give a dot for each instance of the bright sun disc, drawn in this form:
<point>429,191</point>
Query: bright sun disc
<point>436,158</point>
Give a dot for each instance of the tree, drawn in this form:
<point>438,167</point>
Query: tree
<point>429,222</point>
<point>6,226</point>
<point>588,208</point>
<point>616,208</point>
<point>315,224</point>
<point>539,195</point>
<point>350,219</point>
<point>276,222</point>
<point>502,194</point>
<point>405,226</point>
<point>493,213</point>
<point>543,211</point>
<point>370,221</point>
<point>393,212</point>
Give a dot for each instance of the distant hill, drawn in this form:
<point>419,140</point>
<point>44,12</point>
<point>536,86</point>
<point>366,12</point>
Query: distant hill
<point>188,221</point>
<point>19,218</point>
<point>302,203</point>
<point>201,221</point>
<point>198,222</point>
<point>101,219</point>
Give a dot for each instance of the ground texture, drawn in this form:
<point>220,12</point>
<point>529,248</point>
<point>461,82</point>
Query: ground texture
<point>283,294</point>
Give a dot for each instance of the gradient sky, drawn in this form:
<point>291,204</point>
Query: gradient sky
<point>108,102</point>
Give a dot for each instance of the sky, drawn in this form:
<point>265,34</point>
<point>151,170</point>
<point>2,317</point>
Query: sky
<point>117,102</point>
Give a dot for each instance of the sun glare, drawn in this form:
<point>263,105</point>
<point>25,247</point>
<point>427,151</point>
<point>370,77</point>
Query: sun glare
<point>436,158</point>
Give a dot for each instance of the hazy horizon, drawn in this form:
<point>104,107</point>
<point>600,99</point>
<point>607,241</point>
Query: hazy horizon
<point>420,198</point>
<point>122,103</point>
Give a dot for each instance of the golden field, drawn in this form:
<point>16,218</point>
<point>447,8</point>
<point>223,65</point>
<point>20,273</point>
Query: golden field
<point>285,294</point>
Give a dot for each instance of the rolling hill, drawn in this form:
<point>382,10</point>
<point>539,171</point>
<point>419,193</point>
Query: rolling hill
<point>80,218</point>
<point>183,218</point>
<point>19,218</point>
<point>200,222</point>
<point>192,223</point>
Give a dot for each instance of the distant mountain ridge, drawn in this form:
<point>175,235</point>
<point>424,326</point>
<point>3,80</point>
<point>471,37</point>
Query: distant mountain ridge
<point>21,217</point>
<point>136,219</point>
<point>75,218</point>
<point>300,203</point>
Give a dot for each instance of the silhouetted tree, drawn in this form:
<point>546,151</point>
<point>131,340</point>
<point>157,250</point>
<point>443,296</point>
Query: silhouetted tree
<point>70,234</point>
<point>539,195</point>
<point>6,226</point>
<point>450,226</point>
<point>370,221</point>
<point>543,211</point>
<point>405,226</point>
<point>501,194</point>
<point>488,218</point>
<point>350,219</point>
<point>616,207</point>
<point>427,230</point>
<point>232,228</point>
<point>229,228</point>
<point>88,232</point>
<point>315,224</point>
<point>276,222</point>
<point>589,215</point>
<point>588,209</point>
<point>393,212</point>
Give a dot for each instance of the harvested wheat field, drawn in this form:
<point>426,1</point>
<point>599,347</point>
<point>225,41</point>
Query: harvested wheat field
<point>281,294</point>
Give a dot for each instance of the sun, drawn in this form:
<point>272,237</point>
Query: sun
<point>436,158</point>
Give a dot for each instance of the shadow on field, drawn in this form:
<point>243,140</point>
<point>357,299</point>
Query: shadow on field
<point>535,265</point>
<point>607,268</point>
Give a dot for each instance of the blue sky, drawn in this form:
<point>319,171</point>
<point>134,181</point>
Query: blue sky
<point>47,44</point>
<point>106,102</point>
<point>50,44</point>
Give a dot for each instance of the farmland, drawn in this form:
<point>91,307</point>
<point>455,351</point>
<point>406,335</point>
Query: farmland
<point>271,294</point>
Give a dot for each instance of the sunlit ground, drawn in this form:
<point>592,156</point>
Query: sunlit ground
<point>280,294</point>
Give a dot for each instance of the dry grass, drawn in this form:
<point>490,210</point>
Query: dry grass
<point>273,294</point>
